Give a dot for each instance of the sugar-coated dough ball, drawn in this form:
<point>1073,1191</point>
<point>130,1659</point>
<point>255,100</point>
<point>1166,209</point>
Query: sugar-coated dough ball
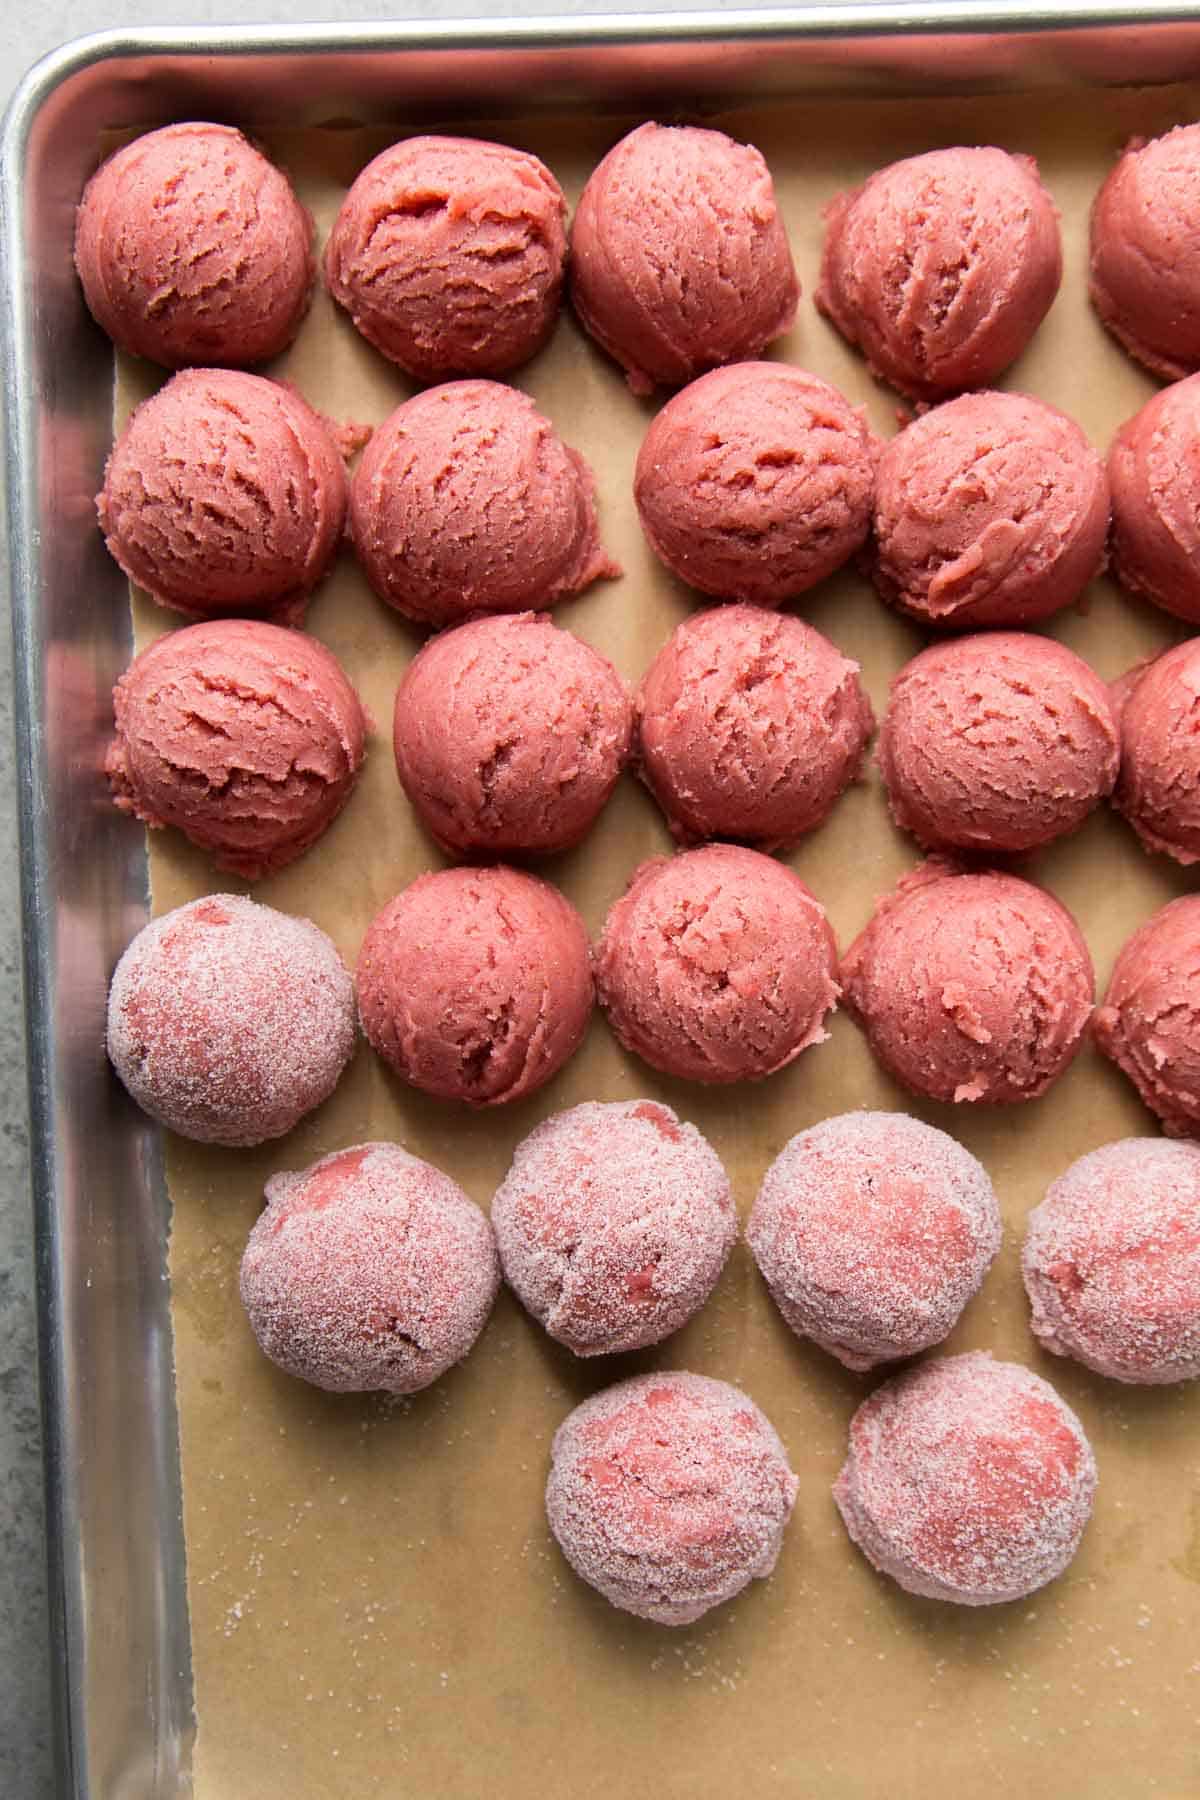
<point>669,1494</point>
<point>509,736</point>
<point>476,984</point>
<point>717,965</point>
<point>614,1223</point>
<point>1112,1261</point>
<point>970,986</point>
<point>679,256</point>
<point>872,1231</point>
<point>448,255</point>
<point>229,1021</point>
<point>192,248</point>
<point>967,1480</point>
<point>369,1270</point>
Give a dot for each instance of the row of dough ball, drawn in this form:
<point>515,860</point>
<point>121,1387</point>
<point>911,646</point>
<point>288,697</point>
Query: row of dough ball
<point>669,1493</point>
<point>229,1021</point>
<point>509,736</point>
<point>371,1269</point>
<point>226,493</point>
<point>450,256</point>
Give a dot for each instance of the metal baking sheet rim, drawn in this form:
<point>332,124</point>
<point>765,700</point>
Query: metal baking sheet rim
<point>87,1604</point>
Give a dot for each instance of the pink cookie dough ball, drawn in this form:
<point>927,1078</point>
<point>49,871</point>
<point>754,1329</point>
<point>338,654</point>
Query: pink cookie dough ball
<point>368,1270</point>
<point>970,986</point>
<point>996,742</point>
<point>1145,260</point>
<point>717,965</point>
<point>669,1494</point>
<point>990,510</point>
<point>247,738</point>
<point>1154,470</point>
<point>679,256</point>
<point>1149,1024</point>
<point>228,1021</point>
<point>967,1480</point>
<point>225,493</point>
<point>750,724</point>
<point>1112,1261</point>
<point>192,248</point>
<point>509,736</point>
<point>448,255</point>
<point>466,500</point>
<point>756,482</point>
<point>1158,788</point>
<point>614,1224</point>
<point>872,1231</point>
<point>940,268</point>
<point>476,984</point>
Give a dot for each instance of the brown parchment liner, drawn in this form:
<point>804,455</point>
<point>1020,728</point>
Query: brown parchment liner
<point>377,1607</point>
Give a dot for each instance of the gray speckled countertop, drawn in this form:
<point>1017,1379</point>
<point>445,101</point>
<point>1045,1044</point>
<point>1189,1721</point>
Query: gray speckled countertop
<point>25,1751</point>
<point>29,28</point>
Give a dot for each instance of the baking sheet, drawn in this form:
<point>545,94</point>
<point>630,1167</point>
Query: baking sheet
<point>377,1607</point>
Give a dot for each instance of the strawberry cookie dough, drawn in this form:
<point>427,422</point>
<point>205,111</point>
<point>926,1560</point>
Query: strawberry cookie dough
<point>192,248</point>
<point>967,1480</point>
<point>990,510</point>
<point>970,987</point>
<point>1149,1023</point>
<point>466,500</point>
<point>996,742</point>
<point>750,724</point>
<point>1145,260</point>
<point>370,1270</point>
<point>448,255</point>
<point>476,984</point>
<point>1112,1261</point>
<point>614,1224</point>
<point>872,1231</point>
<point>509,736</point>
<point>228,1021</point>
<point>1154,470</point>
<point>940,268</point>
<point>225,493</point>
<point>669,1494</point>
<point>679,256</point>
<point>756,482</point>
<point>1158,788</point>
<point>717,965</point>
<point>245,737</point>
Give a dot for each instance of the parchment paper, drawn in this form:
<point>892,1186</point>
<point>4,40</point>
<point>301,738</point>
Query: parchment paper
<point>377,1607</point>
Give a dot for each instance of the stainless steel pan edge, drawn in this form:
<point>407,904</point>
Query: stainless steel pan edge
<point>117,1593</point>
<point>115,1539</point>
